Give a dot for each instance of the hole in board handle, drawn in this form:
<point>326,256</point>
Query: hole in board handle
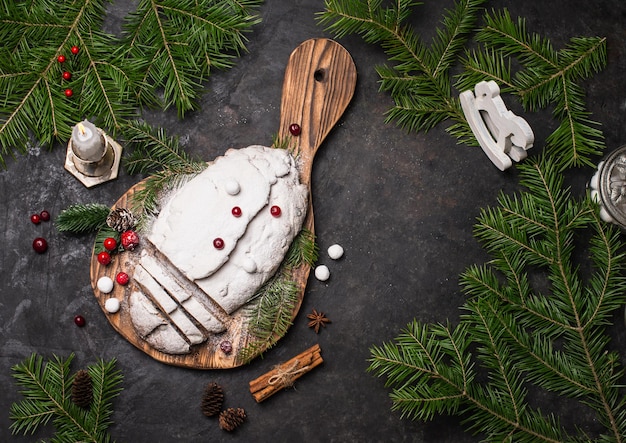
<point>319,75</point>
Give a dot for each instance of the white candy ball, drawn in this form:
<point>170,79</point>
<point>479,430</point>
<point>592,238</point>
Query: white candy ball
<point>105,284</point>
<point>335,252</point>
<point>322,273</point>
<point>112,305</point>
<point>232,187</point>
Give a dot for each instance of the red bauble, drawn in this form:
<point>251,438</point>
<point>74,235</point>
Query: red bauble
<point>79,321</point>
<point>75,50</point>
<point>45,215</point>
<point>69,92</point>
<point>104,258</point>
<point>295,129</point>
<point>40,245</point>
<point>67,75</point>
<point>236,211</point>
<point>35,218</point>
<point>218,243</point>
<point>130,240</point>
<point>275,211</point>
<point>109,244</point>
<point>122,278</point>
<point>61,59</point>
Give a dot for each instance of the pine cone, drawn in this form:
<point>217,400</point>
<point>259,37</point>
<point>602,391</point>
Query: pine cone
<point>121,219</point>
<point>82,390</point>
<point>212,399</point>
<point>231,418</point>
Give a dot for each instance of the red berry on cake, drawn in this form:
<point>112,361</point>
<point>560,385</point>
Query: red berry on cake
<point>130,240</point>
<point>275,211</point>
<point>236,211</point>
<point>218,243</point>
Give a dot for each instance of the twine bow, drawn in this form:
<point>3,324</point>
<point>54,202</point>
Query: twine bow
<point>286,377</point>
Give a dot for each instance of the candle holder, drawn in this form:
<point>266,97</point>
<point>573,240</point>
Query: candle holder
<point>608,187</point>
<point>92,173</point>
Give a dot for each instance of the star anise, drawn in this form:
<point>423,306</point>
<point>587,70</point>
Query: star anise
<point>317,319</point>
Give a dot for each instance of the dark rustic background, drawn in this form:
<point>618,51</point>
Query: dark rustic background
<point>402,205</point>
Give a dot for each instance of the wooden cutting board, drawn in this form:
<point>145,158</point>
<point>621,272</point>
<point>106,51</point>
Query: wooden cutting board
<point>320,79</point>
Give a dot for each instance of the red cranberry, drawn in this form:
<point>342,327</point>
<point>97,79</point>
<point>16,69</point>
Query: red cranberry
<point>122,278</point>
<point>79,321</point>
<point>275,211</point>
<point>61,59</point>
<point>40,245</point>
<point>295,129</point>
<point>218,243</point>
<point>104,258</point>
<point>35,218</point>
<point>75,50</point>
<point>236,211</point>
<point>67,75</point>
<point>130,240</point>
<point>45,215</point>
<point>110,244</point>
<point>69,92</point>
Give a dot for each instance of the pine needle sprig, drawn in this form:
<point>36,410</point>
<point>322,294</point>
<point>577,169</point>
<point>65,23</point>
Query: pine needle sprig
<point>152,151</point>
<point>82,218</point>
<point>530,318</point>
<point>46,387</point>
<point>177,43</point>
<point>420,81</point>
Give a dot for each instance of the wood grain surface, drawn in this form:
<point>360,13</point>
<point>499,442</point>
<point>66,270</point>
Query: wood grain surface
<point>320,79</point>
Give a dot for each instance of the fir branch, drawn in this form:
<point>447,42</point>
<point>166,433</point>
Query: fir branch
<point>510,325</point>
<point>303,250</point>
<point>178,43</point>
<point>269,313</point>
<point>152,150</point>
<point>82,218</point>
<point>47,391</point>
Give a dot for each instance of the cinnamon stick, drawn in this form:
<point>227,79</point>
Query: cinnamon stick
<point>284,374</point>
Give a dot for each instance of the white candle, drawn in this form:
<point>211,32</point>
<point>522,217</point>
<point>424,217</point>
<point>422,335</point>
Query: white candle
<point>87,143</point>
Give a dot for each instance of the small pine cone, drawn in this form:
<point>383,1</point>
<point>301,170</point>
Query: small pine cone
<point>121,219</point>
<point>231,418</point>
<point>82,390</point>
<point>212,400</point>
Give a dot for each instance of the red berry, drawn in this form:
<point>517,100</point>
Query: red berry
<point>67,75</point>
<point>236,211</point>
<point>104,258</point>
<point>69,92</point>
<point>122,278</point>
<point>110,244</point>
<point>218,243</point>
<point>130,240</point>
<point>275,211</point>
<point>45,215</point>
<point>61,59</point>
<point>79,320</point>
<point>295,129</point>
<point>40,245</point>
<point>75,50</point>
<point>35,218</point>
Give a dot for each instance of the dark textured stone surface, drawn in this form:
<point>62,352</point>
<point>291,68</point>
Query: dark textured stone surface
<point>402,205</point>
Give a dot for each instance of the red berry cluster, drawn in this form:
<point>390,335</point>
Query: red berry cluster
<point>40,245</point>
<point>129,239</point>
<point>67,75</point>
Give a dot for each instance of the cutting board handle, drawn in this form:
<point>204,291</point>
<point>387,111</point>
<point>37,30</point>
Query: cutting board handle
<point>320,79</point>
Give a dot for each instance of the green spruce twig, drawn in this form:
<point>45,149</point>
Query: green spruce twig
<point>551,335</point>
<point>152,151</point>
<point>46,387</point>
<point>82,218</point>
